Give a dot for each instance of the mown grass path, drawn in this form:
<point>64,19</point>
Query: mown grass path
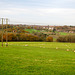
<point>37,58</point>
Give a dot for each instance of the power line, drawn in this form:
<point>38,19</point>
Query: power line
<point>28,23</point>
<point>19,22</point>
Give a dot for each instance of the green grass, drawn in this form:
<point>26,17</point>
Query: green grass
<point>63,33</point>
<point>37,58</point>
<point>32,30</point>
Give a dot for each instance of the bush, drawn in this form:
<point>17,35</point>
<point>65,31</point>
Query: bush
<point>60,39</point>
<point>0,36</point>
<point>11,37</point>
<point>21,37</point>
<point>67,38</point>
<point>49,39</point>
<point>26,37</point>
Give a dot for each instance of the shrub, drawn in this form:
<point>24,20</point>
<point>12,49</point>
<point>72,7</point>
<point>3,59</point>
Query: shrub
<point>11,37</point>
<point>49,39</point>
<point>60,39</point>
<point>0,36</point>
<point>26,37</point>
<point>66,38</point>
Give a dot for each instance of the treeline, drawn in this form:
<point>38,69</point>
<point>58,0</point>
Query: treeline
<point>25,37</point>
<point>66,38</point>
<point>36,37</point>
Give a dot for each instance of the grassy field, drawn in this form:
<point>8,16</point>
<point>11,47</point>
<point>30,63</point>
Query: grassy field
<point>32,30</point>
<point>37,58</point>
<point>63,33</point>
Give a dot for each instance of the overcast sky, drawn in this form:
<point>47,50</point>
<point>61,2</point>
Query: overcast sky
<point>52,12</point>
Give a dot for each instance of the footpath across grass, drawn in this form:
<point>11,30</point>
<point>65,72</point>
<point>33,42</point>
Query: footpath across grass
<point>37,58</point>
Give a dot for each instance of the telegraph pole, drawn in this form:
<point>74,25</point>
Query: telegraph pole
<point>6,32</point>
<point>4,19</point>
<point>2,32</point>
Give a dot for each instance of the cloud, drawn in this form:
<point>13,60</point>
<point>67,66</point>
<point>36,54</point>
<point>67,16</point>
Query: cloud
<point>57,10</point>
<point>45,11</point>
<point>14,11</point>
<point>53,13</point>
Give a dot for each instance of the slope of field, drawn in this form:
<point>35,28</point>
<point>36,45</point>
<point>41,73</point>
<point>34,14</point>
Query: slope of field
<point>64,33</point>
<point>37,58</point>
<point>32,30</point>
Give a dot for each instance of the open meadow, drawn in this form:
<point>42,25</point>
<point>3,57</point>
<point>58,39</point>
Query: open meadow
<point>37,58</point>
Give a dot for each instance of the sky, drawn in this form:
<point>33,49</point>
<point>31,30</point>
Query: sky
<point>49,12</point>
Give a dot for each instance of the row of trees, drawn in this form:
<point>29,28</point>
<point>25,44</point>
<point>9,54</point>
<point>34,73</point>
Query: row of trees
<point>38,37</point>
<point>25,37</point>
<point>66,38</point>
